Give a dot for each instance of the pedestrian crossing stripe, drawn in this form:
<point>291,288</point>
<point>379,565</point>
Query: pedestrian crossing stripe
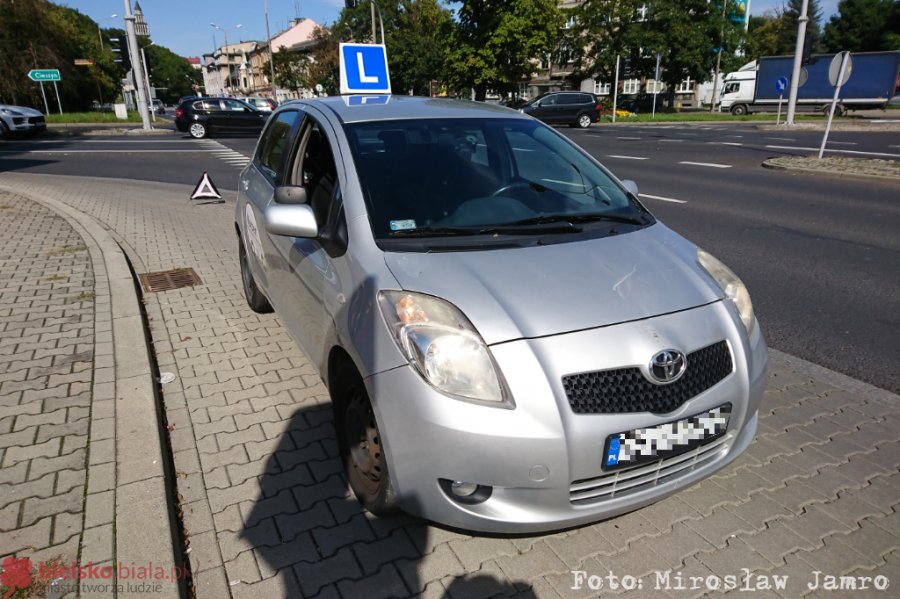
<point>206,189</point>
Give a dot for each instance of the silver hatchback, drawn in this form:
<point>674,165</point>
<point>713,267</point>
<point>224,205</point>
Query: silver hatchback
<point>511,341</point>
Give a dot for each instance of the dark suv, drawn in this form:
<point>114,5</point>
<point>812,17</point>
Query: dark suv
<point>201,116</point>
<point>569,108</point>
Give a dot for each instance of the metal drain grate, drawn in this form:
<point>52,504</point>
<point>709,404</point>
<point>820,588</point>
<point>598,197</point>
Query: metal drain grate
<point>166,280</point>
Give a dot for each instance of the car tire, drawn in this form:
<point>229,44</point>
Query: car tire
<point>198,130</point>
<point>583,121</point>
<point>359,442</point>
<point>739,110</point>
<point>255,298</point>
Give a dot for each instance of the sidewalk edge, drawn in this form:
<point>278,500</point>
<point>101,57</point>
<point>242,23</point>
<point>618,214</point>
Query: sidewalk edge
<point>835,379</point>
<point>142,536</point>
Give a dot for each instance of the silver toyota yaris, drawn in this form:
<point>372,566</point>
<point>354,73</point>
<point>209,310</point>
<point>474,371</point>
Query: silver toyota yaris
<point>511,341</point>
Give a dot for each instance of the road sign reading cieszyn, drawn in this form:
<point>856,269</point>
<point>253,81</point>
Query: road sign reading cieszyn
<point>364,69</point>
<point>44,75</point>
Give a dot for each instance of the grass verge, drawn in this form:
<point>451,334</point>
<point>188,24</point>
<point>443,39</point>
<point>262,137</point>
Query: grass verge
<point>663,117</point>
<point>91,117</point>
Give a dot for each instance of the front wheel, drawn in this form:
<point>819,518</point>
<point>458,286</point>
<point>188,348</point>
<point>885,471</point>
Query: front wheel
<point>359,441</point>
<point>584,121</point>
<point>738,110</point>
<point>255,299</point>
<point>198,130</point>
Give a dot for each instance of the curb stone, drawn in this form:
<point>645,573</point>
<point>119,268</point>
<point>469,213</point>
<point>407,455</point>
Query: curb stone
<point>779,164</point>
<point>140,535</point>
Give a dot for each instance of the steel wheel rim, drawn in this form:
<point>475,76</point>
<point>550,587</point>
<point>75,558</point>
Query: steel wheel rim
<point>364,444</point>
<point>198,130</point>
<point>584,121</point>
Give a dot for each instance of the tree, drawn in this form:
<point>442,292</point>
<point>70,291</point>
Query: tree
<point>762,36</point>
<point>685,33</point>
<point>787,34</point>
<point>603,30</point>
<point>864,26</point>
<point>171,74</point>
<point>305,70</point>
<point>419,46</point>
<point>495,41</point>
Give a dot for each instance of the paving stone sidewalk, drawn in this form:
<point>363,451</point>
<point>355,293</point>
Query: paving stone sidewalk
<point>268,513</point>
<point>49,508</point>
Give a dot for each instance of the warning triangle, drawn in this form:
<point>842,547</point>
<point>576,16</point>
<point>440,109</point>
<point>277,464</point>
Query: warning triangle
<point>206,189</point>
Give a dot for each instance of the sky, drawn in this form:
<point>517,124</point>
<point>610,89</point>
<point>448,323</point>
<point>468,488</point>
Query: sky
<point>184,26</point>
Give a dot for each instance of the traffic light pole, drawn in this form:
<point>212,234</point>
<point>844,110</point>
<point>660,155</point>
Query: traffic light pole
<point>798,58</point>
<point>137,71</point>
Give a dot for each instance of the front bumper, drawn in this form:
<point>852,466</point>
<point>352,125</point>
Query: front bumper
<point>25,124</point>
<point>537,456</point>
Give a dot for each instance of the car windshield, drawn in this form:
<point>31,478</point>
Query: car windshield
<point>451,177</point>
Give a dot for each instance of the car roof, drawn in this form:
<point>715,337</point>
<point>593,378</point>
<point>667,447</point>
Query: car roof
<point>405,107</point>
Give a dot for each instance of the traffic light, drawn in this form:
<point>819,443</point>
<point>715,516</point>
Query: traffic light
<point>350,3</point>
<point>808,44</point>
<point>120,48</point>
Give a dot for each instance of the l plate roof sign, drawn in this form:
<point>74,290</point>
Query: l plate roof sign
<point>364,69</point>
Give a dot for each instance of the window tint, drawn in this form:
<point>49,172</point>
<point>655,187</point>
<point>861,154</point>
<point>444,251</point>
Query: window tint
<point>585,99</point>
<point>272,146</point>
<point>550,100</point>
<point>207,105</point>
<point>432,173</point>
<point>568,99</point>
<point>318,171</point>
<point>234,105</point>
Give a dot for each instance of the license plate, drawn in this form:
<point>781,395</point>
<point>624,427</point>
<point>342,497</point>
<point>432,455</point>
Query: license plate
<point>662,441</point>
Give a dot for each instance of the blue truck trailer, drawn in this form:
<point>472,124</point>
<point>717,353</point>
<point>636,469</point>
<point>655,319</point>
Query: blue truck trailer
<point>872,83</point>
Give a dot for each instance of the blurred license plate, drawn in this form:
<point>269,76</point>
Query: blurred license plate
<point>665,440</point>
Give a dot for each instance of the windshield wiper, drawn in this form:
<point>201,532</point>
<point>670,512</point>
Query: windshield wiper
<point>435,232</point>
<point>577,218</point>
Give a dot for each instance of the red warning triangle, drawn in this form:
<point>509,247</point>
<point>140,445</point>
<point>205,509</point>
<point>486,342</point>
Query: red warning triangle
<point>206,189</point>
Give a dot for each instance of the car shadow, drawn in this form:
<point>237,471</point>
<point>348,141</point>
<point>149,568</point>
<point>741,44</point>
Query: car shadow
<point>307,528</point>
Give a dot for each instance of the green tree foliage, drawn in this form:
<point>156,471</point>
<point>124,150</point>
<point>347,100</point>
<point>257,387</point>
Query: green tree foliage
<point>603,29</point>
<point>419,45</point>
<point>305,70</point>
<point>495,41</point>
<point>787,34</point>
<point>864,26</point>
<point>170,74</point>
<point>688,35</point>
<point>762,36</point>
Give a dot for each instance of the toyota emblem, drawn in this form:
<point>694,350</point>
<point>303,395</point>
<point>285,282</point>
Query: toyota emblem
<point>667,366</point>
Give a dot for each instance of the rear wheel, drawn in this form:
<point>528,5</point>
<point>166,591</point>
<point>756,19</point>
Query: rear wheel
<point>584,121</point>
<point>359,441</point>
<point>198,130</point>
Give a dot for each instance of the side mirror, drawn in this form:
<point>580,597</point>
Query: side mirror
<point>291,221</point>
<point>290,194</point>
<point>631,186</point>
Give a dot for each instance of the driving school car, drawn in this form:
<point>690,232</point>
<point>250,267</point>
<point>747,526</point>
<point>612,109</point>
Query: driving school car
<point>512,342</point>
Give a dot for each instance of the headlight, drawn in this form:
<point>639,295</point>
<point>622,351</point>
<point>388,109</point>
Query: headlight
<point>10,112</point>
<point>734,289</point>
<point>442,344</point>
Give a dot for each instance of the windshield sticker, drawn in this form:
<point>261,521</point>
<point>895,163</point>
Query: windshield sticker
<point>402,225</point>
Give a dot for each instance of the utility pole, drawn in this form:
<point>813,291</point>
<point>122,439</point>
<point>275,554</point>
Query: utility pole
<point>798,58</point>
<point>136,70</point>
<point>271,52</point>
<point>712,105</point>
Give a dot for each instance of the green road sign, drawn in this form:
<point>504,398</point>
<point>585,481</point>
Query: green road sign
<point>44,75</point>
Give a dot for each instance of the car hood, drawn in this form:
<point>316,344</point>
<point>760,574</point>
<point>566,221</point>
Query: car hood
<point>23,110</point>
<point>547,290</point>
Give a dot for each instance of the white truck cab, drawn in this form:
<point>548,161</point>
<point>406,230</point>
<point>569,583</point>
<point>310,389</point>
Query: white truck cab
<point>739,89</point>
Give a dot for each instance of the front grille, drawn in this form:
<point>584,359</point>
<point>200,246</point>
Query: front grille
<point>641,477</point>
<point>36,120</point>
<point>625,390</point>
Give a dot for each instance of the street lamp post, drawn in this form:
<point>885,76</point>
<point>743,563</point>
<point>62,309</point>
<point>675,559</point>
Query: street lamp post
<point>100,31</point>
<point>147,83</point>
<point>227,57</point>
<point>133,50</point>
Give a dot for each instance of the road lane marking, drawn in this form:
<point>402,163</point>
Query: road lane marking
<point>626,157</point>
<point>628,138</point>
<point>834,150</point>
<point>738,136</point>
<point>726,143</point>
<point>669,140</point>
<point>782,138</point>
<point>661,198</point>
<point>709,164</point>
<point>843,143</point>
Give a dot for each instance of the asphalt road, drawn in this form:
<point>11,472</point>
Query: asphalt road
<point>820,254</point>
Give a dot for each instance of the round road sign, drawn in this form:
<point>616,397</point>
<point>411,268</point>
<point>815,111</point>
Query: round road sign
<point>834,71</point>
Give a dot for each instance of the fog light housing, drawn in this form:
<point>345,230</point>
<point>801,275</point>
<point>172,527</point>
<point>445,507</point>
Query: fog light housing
<point>465,492</point>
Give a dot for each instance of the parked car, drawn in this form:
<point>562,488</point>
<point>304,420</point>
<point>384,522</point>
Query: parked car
<point>20,119</point>
<point>157,106</point>
<point>200,117</point>
<point>512,342</point>
<point>264,104</point>
<point>576,109</point>
<point>642,103</point>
